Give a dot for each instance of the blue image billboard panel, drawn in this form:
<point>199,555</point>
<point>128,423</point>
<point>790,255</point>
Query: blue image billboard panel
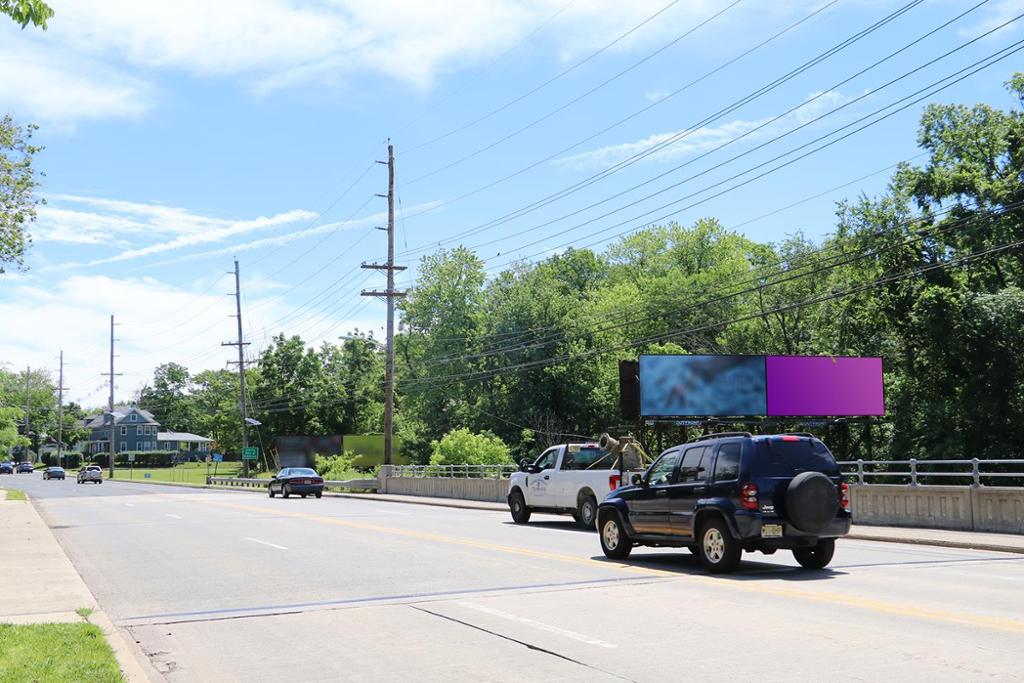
<point>696,386</point>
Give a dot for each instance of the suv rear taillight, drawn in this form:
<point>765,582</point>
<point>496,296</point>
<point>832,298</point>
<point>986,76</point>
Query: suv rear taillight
<point>844,496</point>
<point>613,481</point>
<point>748,496</point>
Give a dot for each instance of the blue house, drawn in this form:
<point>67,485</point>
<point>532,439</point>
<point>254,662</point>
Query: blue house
<point>134,430</point>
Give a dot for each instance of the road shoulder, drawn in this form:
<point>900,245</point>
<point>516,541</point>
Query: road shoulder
<point>31,550</point>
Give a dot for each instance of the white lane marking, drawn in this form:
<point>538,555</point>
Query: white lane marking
<point>168,514</point>
<point>272,545</point>
<point>589,640</point>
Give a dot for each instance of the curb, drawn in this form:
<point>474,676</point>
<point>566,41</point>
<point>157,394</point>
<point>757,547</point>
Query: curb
<point>941,543</point>
<point>441,502</point>
<point>132,661</point>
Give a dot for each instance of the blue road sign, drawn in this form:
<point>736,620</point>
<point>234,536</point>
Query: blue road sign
<point>148,475</point>
<point>218,457</point>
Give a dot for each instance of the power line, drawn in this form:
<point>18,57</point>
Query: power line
<point>750,97</point>
<point>543,85</point>
<point>935,87</point>
<point>576,99</point>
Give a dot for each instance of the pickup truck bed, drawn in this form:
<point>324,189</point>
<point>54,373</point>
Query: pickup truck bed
<point>565,479</point>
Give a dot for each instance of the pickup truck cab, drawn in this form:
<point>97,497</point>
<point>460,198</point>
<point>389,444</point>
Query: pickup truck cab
<point>567,479</point>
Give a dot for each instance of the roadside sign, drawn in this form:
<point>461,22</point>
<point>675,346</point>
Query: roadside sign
<point>218,457</point>
<point>131,457</point>
<point>148,475</point>
<point>250,453</point>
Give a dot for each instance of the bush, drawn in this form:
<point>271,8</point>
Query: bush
<point>463,447</point>
<point>340,467</point>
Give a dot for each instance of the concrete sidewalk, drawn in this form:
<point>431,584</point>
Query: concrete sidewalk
<point>1010,543</point>
<point>31,553</point>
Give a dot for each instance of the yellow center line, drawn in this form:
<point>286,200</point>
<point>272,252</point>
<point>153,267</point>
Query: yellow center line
<point>868,604</point>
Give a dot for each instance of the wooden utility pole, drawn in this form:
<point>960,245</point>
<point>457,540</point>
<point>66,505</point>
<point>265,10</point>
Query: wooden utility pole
<point>28,407</point>
<point>110,407</point>
<point>241,370</point>
<point>60,413</point>
<point>389,294</point>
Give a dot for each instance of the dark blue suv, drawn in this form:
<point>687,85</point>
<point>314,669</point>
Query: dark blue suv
<point>723,494</point>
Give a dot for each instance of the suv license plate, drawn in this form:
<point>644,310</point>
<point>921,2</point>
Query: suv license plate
<point>771,531</point>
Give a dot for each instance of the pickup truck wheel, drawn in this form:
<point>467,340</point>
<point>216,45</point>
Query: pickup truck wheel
<point>586,514</point>
<point>718,550</point>
<point>614,541</point>
<point>817,556</point>
<point>517,505</point>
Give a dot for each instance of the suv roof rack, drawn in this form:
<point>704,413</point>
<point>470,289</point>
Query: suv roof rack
<point>719,435</point>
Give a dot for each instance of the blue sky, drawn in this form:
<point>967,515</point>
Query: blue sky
<point>179,135</point>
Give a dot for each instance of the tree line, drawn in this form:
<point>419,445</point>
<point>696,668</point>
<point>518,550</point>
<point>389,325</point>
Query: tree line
<point>928,275</point>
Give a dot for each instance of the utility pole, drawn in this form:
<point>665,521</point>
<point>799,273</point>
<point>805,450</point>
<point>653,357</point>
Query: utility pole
<point>390,294</point>
<point>241,369</point>
<point>28,407</point>
<point>110,406</point>
<point>60,413</point>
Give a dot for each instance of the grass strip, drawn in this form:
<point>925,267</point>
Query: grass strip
<point>56,652</point>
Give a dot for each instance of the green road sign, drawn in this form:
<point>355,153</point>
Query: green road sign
<point>250,453</point>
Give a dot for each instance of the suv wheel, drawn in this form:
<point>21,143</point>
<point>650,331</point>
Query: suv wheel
<point>614,541</point>
<point>517,505</point>
<point>717,549</point>
<point>817,556</point>
<point>587,512</point>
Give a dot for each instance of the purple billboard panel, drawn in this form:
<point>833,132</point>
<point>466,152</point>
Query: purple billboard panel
<point>818,386</point>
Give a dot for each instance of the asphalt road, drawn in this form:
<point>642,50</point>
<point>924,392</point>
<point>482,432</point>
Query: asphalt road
<point>224,586</point>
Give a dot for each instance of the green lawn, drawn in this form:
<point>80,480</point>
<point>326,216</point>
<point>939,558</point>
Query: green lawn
<point>55,652</point>
<point>188,473</point>
<point>14,494</point>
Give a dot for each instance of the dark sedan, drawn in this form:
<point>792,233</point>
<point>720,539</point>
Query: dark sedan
<point>6,468</point>
<point>24,468</point>
<point>301,481</point>
<point>54,473</point>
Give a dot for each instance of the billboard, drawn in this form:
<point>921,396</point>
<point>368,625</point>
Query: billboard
<point>820,386</point>
<point>680,386</point>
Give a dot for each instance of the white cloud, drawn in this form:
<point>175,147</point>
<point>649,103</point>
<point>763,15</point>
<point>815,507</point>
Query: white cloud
<point>98,57</point>
<point>995,15</point>
<point>655,95</point>
<point>281,240</point>
<point>53,85</point>
<point>140,229</point>
<point>157,323</point>
<point>704,138</point>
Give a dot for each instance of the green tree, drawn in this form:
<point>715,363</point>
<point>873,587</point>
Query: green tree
<point>18,183</point>
<point>169,398</point>
<point>25,12</point>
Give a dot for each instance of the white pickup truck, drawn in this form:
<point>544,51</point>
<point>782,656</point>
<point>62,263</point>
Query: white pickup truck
<point>568,478</point>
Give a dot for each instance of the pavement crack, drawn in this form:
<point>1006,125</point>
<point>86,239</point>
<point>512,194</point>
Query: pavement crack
<point>529,646</point>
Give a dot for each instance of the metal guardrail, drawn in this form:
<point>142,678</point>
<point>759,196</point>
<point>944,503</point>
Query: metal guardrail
<point>262,483</point>
<point>974,469</point>
<point>454,471</point>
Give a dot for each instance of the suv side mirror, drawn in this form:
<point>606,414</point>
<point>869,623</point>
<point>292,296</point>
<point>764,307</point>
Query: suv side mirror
<point>637,479</point>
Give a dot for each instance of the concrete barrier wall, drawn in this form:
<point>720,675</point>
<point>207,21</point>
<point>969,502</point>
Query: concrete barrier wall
<point>490,490</point>
<point>964,508</point>
<point>998,508</point>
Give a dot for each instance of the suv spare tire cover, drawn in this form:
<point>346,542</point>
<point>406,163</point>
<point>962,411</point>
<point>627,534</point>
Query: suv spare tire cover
<point>812,501</point>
